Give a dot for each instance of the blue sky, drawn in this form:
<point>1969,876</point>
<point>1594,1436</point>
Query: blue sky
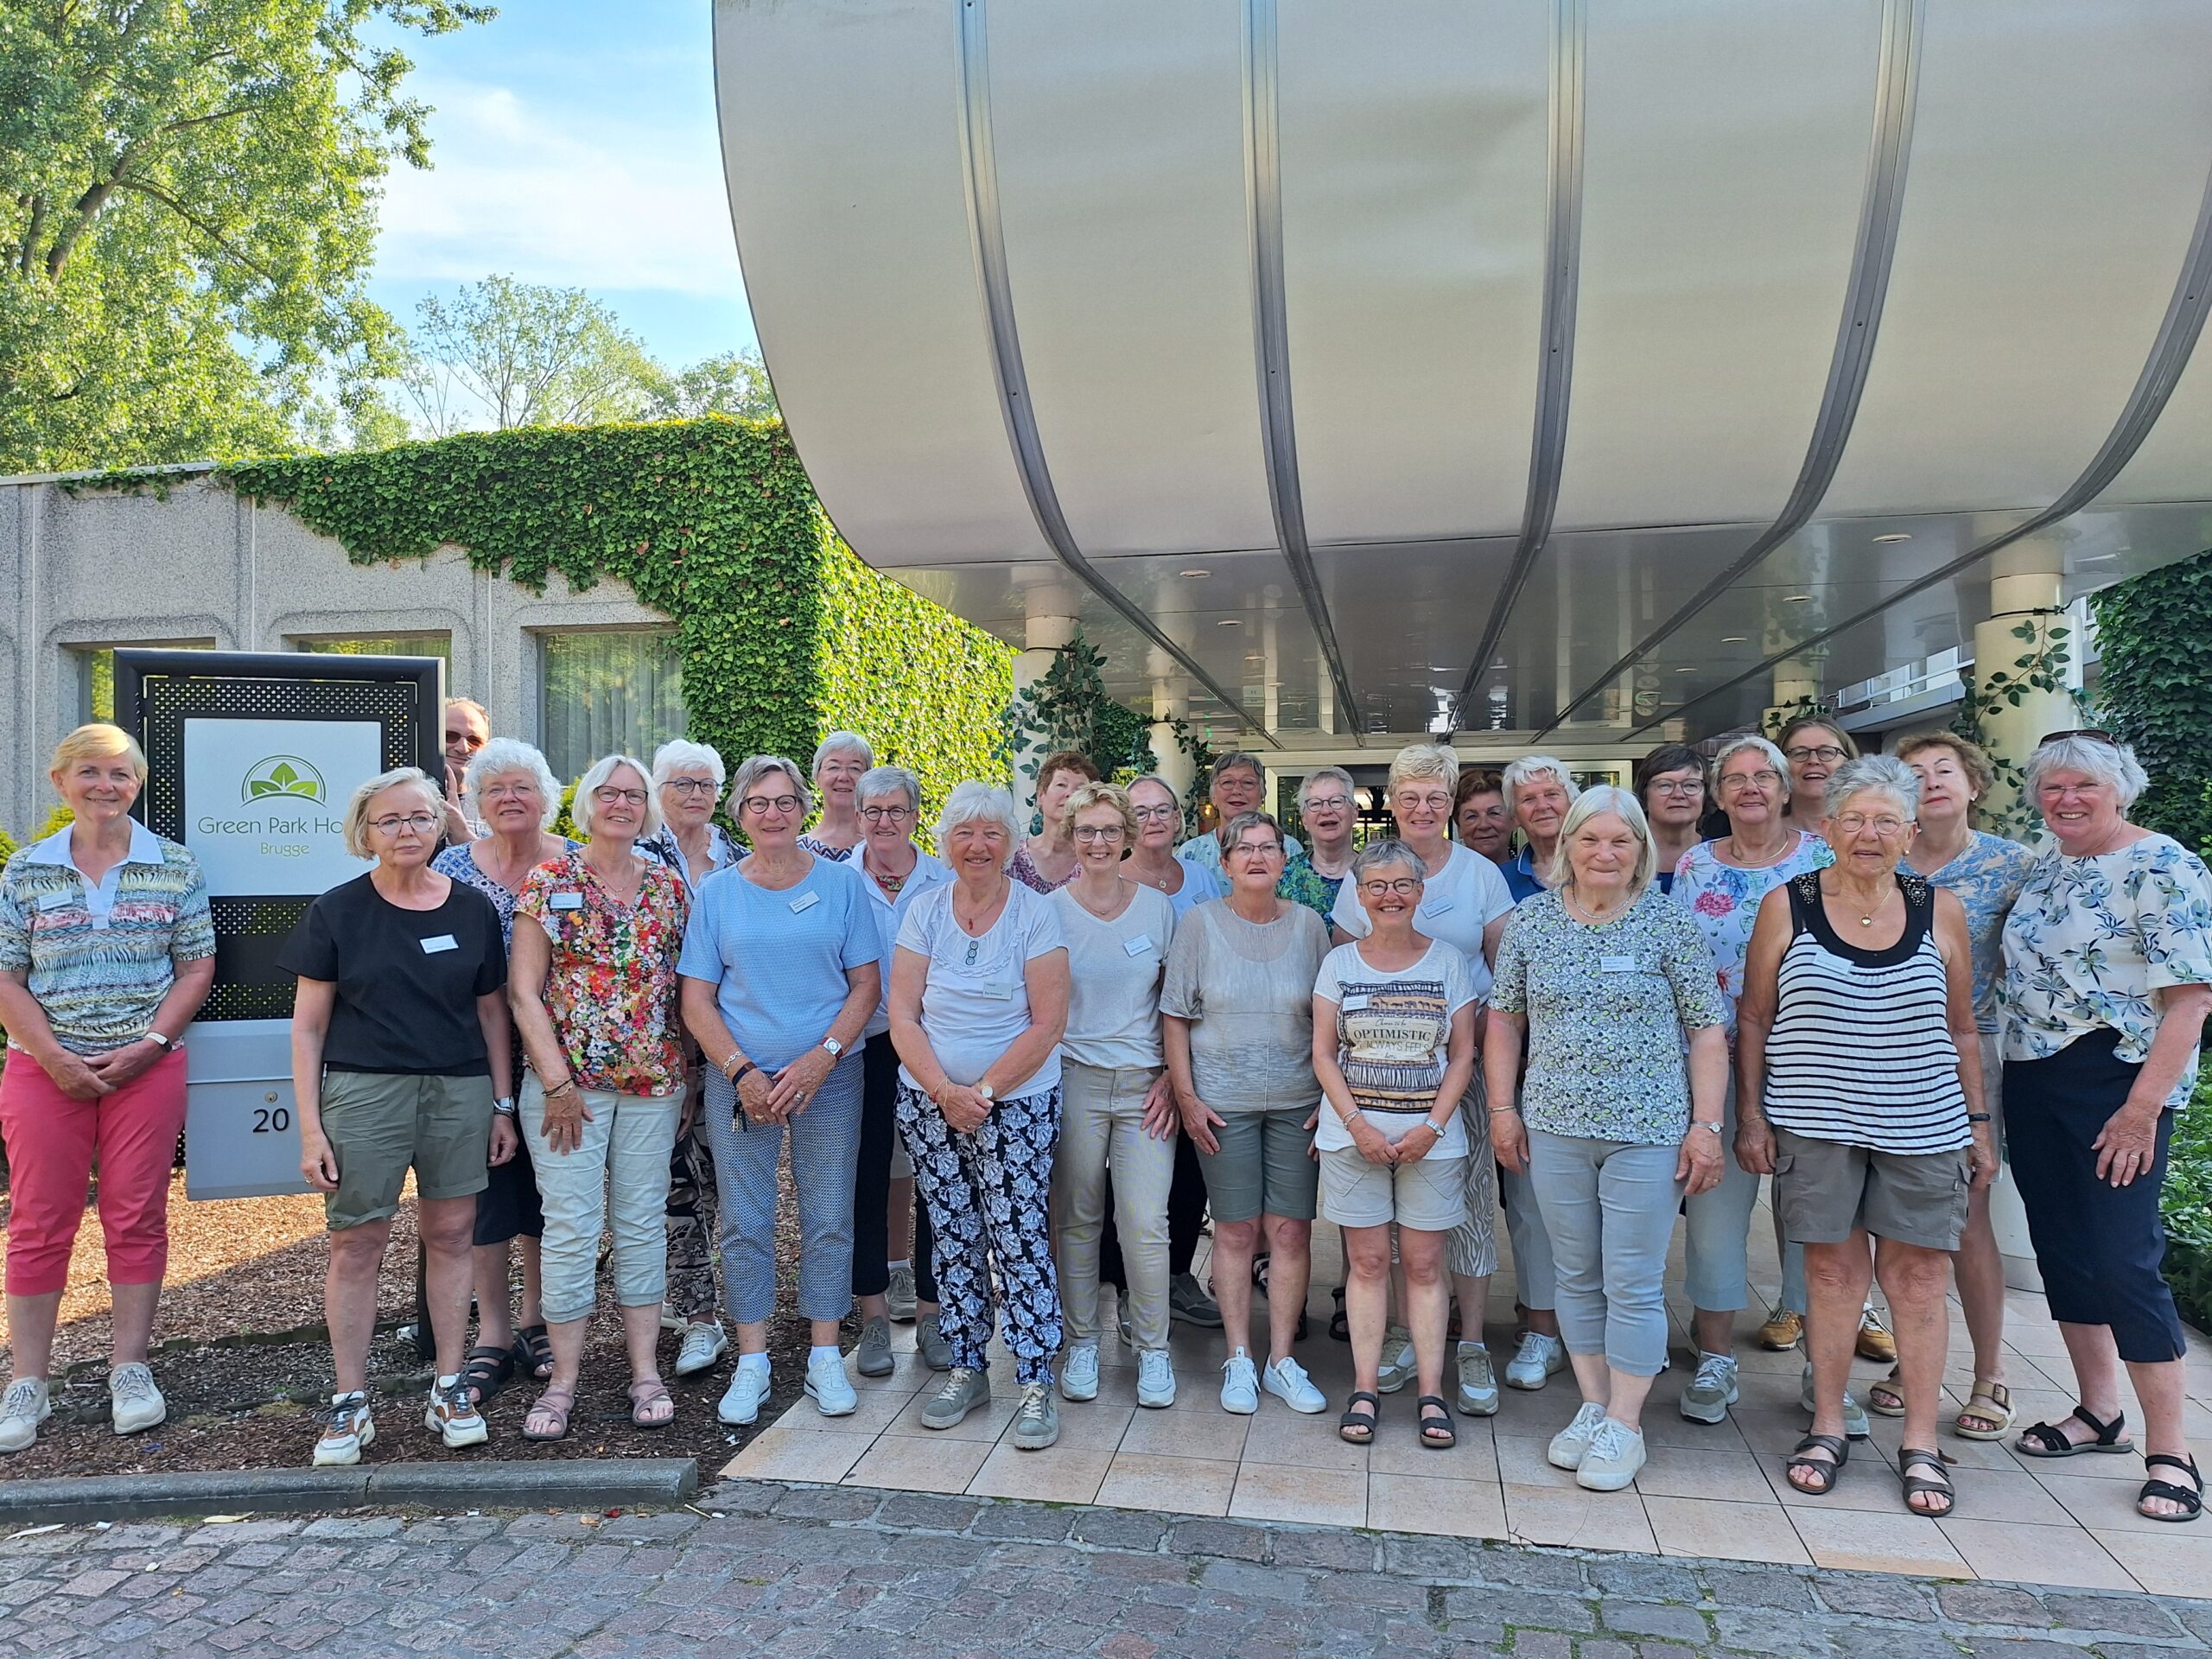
<point>573,143</point>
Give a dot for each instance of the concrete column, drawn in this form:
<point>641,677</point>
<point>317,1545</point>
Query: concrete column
<point>1043,637</point>
<point>2019,599</point>
<point>1795,681</point>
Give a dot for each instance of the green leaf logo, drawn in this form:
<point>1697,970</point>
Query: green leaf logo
<point>286,776</point>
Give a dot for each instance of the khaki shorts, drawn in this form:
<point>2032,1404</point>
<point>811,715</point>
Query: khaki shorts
<point>379,1123</point>
<point>1429,1196</point>
<point>1263,1166</point>
<point>1826,1190</point>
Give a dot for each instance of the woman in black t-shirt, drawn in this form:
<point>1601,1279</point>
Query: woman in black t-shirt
<point>400,1045</point>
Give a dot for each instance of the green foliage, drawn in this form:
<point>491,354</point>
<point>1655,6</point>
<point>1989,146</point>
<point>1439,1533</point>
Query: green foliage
<point>188,220</point>
<point>2041,666</point>
<point>61,818</point>
<point>2186,1203</point>
<point>7,845</point>
<point>564,822</point>
<point>2154,634</point>
<point>1800,708</point>
<point>523,355</point>
<point>736,383</point>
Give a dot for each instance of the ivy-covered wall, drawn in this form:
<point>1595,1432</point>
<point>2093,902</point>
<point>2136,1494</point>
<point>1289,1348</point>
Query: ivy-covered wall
<point>785,634</point>
<point>2154,635</point>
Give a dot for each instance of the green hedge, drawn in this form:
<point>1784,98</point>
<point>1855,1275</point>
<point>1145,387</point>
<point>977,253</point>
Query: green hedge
<point>2187,1201</point>
<point>2154,639</point>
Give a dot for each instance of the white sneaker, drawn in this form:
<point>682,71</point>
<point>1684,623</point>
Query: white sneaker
<point>1286,1380</point>
<point>452,1417</point>
<point>346,1430</point>
<point>1612,1458</point>
<point>702,1344</point>
<point>1397,1365</point>
<point>23,1408</point>
<point>900,1298</point>
<point>1477,1383</point>
<point>135,1404</point>
<point>1539,1358</point>
<point>1155,1378</point>
<point>829,1387</point>
<point>1079,1372</point>
<point>1568,1445</point>
<point>740,1402</point>
<point>1240,1384</point>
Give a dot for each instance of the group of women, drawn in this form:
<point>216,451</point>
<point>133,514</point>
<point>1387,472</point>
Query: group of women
<point>1072,1041</point>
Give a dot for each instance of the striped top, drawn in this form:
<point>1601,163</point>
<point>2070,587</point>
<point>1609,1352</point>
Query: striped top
<point>1861,1049</point>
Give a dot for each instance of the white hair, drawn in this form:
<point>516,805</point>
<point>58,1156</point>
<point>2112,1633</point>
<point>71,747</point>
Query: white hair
<point>1735,745</point>
<point>681,755</point>
<point>1884,774</point>
<point>842,743</point>
<point>978,803</point>
<point>2112,764</point>
<point>1520,773</point>
<point>585,809</point>
<point>757,767</point>
<point>879,781</point>
<point>1306,784</point>
<point>1594,802</point>
<point>1389,849</point>
<point>506,754</point>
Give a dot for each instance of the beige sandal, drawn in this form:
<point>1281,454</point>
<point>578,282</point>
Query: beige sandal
<point>1988,1413</point>
<point>1886,1398</point>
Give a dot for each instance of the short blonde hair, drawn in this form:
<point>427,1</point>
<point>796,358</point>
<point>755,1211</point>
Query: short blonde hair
<point>1097,794</point>
<point>1598,799</point>
<point>1423,760</point>
<point>356,826</point>
<point>584,809</point>
<point>502,755</point>
<point>97,740</point>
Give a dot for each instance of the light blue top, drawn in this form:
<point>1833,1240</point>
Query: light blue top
<point>1199,884</point>
<point>777,959</point>
<point>1987,876</point>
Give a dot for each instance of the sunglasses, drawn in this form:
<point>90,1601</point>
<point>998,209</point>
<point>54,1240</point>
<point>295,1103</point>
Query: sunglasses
<point>2091,733</point>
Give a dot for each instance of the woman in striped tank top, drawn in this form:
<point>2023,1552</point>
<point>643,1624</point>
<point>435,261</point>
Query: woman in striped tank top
<point>1861,1089</point>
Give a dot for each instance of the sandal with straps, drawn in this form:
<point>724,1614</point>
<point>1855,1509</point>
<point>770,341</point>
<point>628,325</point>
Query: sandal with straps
<point>485,1371</point>
<point>1886,1398</point>
<point>1914,1485</point>
<point>1339,1322</point>
<point>1988,1413</point>
<point>1826,1471</point>
<point>647,1395</point>
<point>545,1409</point>
<point>2049,1441</point>
<point>2191,1499</point>
<point>534,1348</point>
<point>1436,1433</point>
<point>1356,1427</point>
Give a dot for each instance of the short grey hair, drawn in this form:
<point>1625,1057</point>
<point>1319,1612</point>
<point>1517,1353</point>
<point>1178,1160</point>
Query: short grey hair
<point>877,781</point>
<point>1233,831</point>
<point>1520,773</point>
<point>842,743</point>
<point>681,755</point>
<point>1388,850</point>
<point>1735,745</point>
<point>978,803</point>
<point>1884,774</point>
<point>1424,760</point>
<point>584,810</point>
<point>2112,764</point>
<point>502,755</point>
<point>1337,773</point>
<point>356,826</point>
<point>1236,761</point>
<point>757,767</point>
<point>1595,802</point>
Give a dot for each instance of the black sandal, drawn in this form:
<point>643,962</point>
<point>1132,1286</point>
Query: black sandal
<point>1356,1427</point>
<point>1435,1435</point>
<point>487,1370</point>
<point>2191,1500</point>
<point>1921,1486</point>
<point>2049,1441</point>
<point>1339,1324</point>
<point>1827,1472</point>
<point>534,1349</point>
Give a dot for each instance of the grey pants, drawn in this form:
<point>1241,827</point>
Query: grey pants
<point>1609,1209</point>
<point>1102,1122</point>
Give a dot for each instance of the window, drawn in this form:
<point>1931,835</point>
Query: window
<point>385,645</point>
<point>96,672</point>
<point>607,694</point>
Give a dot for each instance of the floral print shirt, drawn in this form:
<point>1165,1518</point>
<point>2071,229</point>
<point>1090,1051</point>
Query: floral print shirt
<point>1723,899</point>
<point>2091,942</point>
<point>1987,877</point>
<point>1304,885</point>
<point>611,988</point>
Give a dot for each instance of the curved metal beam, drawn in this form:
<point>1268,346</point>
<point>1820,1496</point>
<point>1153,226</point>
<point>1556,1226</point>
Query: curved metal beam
<point>1012,378</point>
<point>1271,340</point>
<point>2176,337</point>
<point>1881,204</point>
<point>1563,258</point>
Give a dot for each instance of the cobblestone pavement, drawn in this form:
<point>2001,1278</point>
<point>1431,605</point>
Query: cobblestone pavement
<point>761,1568</point>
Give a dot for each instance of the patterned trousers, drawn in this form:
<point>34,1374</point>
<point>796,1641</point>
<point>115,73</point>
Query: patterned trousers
<point>693,1228</point>
<point>989,1196</point>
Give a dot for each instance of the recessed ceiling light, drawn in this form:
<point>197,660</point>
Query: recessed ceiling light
<point>1496,665</point>
<point>2100,558</point>
<point>1734,638</point>
<point>1194,575</point>
<point>1894,535</point>
<point>1794,598</point>
<point>1686,670</point>
<point>1230,622</point>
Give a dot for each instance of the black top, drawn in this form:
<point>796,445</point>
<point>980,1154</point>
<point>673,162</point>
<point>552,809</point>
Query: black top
<point>1807,914</point>
<point>408,980</point>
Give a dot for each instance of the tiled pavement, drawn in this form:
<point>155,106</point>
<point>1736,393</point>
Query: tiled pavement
<point>758,1567</point>
<point>1707,1492</point>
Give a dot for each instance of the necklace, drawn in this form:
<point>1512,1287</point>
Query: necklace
<point>890,884</point>
<point>1592,913</point>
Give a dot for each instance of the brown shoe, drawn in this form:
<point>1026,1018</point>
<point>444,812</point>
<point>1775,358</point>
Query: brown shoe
<point>1875,1342</point>
<point>1783,1329</point>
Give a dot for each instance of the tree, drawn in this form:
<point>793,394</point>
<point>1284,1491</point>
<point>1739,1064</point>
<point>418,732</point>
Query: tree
<point>736,383</point>
<point>506,354</point>
<point>188,191</point>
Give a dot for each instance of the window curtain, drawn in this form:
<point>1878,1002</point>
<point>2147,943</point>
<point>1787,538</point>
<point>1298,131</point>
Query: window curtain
<point>614,693</point>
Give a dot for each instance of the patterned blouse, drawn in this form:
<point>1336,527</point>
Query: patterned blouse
<point>456,862</point>
<point>2092,941</point>
<point>1987,877</point>
<point>722,852</point>
<point>1724,900</point>
<point>823,849</point>
<point>1302,884</point>
<point>611,988</point>
<point>1022,870</point>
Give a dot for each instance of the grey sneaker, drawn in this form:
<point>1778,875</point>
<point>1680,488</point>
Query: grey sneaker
<point>1188,1301</point>
<point>1155,1379</point>
<point>1080,1371</point>
<point>930,1343</point>
<point>962,1392</point>
<point>1037,1420</point>
<point>704,1343</point>
<point>23,1408</point>
<point>873,1356</point>
<point>1855,1425</point>
<point>1713,1391</point>
<point>900,1296</point>
<point>135,1404</point>
<point>1477,1383</point>
<point>1397,1365</point>
<point>1540,1358</point>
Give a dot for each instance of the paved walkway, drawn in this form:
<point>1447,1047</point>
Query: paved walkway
<point>763,1568</point>
<point>1707,1492</point>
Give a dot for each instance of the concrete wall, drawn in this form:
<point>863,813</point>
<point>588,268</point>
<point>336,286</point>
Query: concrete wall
<point>204,567</point>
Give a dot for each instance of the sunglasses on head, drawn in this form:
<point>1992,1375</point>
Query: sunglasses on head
<point>2093,733</point>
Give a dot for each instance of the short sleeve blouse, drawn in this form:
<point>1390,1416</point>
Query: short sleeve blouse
<point>1723,899</point>
<point>458,864</point>
<point>611,984</point>
<point>975,1001</point>
<point>1247,988</point>
<point>1114,972</point>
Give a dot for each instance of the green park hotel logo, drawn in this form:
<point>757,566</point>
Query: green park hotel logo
<point>285,777</point>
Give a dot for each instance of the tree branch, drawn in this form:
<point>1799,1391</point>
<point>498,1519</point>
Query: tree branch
<point>199,225</point>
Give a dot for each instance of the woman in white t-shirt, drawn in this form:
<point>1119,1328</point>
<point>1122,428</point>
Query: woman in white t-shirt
<point>1116,1107</point>
<point>979,998</point>
<point>1394,1049</point>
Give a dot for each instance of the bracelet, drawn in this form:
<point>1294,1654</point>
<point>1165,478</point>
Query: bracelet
<point>561,1088</point>
<point>1499,1111</point>
<point>1977,1117</point>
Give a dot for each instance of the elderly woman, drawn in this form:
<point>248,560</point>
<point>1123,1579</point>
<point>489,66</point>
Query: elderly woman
<point>979,999</point>
<point>106,953</point>
<point>1814,748</point>
<point>594,987</point>
<point>1330,814</point>
<point>781,969</point>
<point>1670,787</point>
<point>903,1287</point>
<point>1394,1050</point>
<point>1464,903</point>
<point>1159,814</point>
<point>1478,815</point>
<point>1238,1005</point>
<point>1987,872</point>
<point>2108,980</point>
<point>1612,984</point>
<point>511,792</point>
<point>688,780</point>
<point>1538,790</point>
<point>400,1057</point>
<point>1865,959</point>
<point>1117,1110</point>
<point>840,761</point>
<point>1047,859</point>
<point>1236,785</point>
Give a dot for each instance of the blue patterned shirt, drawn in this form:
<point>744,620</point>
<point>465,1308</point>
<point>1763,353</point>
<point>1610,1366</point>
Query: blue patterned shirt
<point>1987,877</point>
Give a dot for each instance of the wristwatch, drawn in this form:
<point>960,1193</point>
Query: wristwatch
<point>1716,1128</point>
<point>504,1105</point>
<point>160,1041</point>
<point>1433,1126</point>
<point>984,1090</point>
<point>835,1047</point>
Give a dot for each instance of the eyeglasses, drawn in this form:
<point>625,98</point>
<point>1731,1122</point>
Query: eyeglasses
<point>511,789</point>
<point>1438,803</point>
<point>421,822</point>
<point>1256,849</point>
<point>758,803</point>
<point>886,814</point>
<point>690,786</point>
<point>1327,802</point>
<point>609,795</point>
<point>1405,885</point>
<point>1887,827</point>
<point>1677,786</point>
<point>1099,832</point>
<point>1737,782</point>
<point>1828,755</point>
<point>1156,814</point>
<point>467,740</point>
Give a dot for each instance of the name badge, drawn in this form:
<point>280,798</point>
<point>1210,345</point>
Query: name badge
<point>1436,906</point>
<point>438,942</point>
<point>805,901</point>
<point>100,923</point>
<point>1618,965</point>
<point>56,901</point>
<point>1354,1004</point>
<point>566,901</point>
<point>1137,946</point>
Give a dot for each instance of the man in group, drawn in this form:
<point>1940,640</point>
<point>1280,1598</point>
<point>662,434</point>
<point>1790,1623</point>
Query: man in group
<point>468,728</point>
